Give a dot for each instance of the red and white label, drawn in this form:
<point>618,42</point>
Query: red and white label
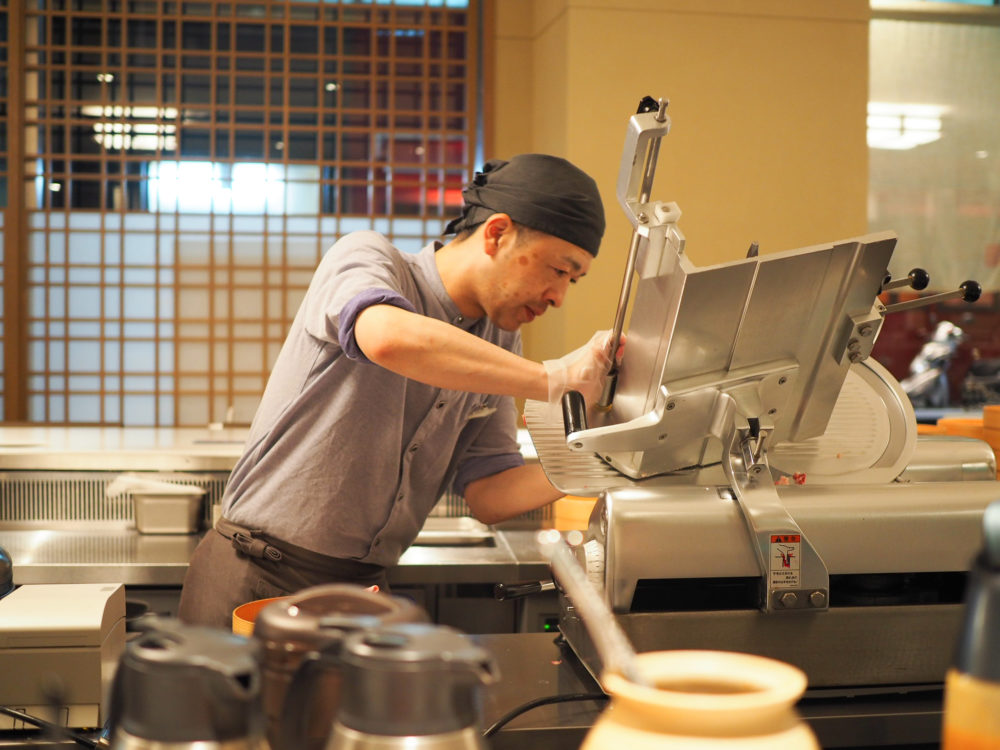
<point>785,561</point>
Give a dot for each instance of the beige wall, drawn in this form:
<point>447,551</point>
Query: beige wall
<point>767,102</point>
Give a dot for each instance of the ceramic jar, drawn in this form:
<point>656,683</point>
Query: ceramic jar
<point>701,700</point>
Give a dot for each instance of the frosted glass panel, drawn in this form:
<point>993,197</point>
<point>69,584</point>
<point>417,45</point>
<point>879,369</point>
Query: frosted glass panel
<point>85,247</point>
<point>85,408</point>
<point>934,138</point>
<point>139,410</point>
<point>85,356</point>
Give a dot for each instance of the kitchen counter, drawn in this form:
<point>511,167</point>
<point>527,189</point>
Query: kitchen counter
<point>539,665</point>
<point>93,551</point>
<point>73,448</point>
<point>99,554</point>
<point>69,448</point>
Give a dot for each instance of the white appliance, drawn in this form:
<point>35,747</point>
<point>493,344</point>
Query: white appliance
<point>59,647</point>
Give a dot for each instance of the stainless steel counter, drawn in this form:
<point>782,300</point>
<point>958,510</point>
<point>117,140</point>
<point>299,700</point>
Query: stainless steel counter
<point>537,665</point>
<point>99,554</point>
<point>67,448</point>
<point>45,448</point>
<point>72,548</point>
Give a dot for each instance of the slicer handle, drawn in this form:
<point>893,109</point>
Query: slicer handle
<point>574,410</point>
<point>917,279</point>
<point>504,591</point>
<point>972,290</point>
<point>968,291</point>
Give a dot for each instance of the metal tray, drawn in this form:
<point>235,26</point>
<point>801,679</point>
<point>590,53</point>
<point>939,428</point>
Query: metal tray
<point>451,532</point>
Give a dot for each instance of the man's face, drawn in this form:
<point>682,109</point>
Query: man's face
<point>532,271</point>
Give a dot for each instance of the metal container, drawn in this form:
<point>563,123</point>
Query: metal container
<point>168,512</point>
<point>406,686</point>
<point>186,687</point>
<point>316,619</point>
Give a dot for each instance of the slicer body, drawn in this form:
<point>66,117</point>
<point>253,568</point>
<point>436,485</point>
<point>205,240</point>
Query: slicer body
<point>760,479</point>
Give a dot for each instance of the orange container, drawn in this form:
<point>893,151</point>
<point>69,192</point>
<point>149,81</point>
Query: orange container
<point>245,615</point>
<point>992,437</point>
<point>572,512</point>
<point>991,417</point>
<point>930,429</point>
<point>964,426</point>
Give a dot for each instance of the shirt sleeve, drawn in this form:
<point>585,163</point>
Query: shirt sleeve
<point>349,315</point>
<point>491,446</point>
<point>359,270</point>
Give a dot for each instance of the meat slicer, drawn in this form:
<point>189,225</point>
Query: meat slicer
<point>761,484</point>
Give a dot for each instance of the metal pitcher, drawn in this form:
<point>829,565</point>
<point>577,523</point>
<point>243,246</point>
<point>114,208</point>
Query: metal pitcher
<point>406,686</point>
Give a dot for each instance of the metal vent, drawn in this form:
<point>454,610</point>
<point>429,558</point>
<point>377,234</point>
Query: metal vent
<point>33,497</point>
<point>48,496</point>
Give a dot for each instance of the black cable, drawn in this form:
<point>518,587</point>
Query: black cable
<point>513,714</point>
<point>42,724</point>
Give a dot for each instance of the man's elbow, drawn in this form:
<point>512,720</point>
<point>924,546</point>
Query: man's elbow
<point>373,334</point>
<point>483,508</point>
<point>488,515</point>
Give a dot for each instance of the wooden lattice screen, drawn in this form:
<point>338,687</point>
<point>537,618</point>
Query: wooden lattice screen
<point>180,167</point>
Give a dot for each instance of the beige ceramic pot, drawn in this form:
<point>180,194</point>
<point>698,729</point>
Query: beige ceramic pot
<point>703,700</point>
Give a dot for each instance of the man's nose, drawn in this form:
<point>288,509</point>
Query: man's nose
<point>556,294</point>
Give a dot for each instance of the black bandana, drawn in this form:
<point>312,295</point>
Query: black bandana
<point>539,191</point>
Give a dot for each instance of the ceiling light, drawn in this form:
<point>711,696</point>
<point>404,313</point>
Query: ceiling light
<point>899,126</point>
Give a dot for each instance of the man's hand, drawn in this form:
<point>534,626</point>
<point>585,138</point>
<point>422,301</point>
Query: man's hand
<point>583,370</point>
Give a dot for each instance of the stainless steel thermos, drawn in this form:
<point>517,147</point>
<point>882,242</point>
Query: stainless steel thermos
<point>316,619</point>
<point>182,685</point>
<point>405,686</point>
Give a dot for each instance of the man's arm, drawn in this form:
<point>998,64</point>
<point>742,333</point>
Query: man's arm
<point>436,353</point>
<point>501,496</point>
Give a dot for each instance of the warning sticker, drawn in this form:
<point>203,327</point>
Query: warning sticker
<point>784,572</point>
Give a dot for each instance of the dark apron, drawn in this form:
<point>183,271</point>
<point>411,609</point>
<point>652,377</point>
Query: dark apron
<point>234,564</point>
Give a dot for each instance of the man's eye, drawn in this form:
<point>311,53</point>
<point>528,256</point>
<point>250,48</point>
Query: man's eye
<point>559,272</point>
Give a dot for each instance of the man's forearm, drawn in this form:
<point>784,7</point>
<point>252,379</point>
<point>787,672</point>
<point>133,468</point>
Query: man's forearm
<point>510,493</point>
<point>436,353</point>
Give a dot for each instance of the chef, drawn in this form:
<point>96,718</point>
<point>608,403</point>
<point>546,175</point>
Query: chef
<point>397,382</point>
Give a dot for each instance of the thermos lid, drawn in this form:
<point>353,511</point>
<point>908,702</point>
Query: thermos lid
<point>418,646</point>
<point>412,680</point>
<point>182,683</point>
<point>320,615</point>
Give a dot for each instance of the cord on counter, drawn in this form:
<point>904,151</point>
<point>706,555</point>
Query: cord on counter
<point>524,707</point>
<point>49,726</point>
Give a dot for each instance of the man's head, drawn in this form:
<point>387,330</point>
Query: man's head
<point>538,191</point>
<point>522,271</point>
<point>539,220</point>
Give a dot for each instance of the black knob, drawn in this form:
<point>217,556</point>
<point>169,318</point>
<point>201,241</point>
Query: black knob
<point>574,410</point>
<point>647,104</point>
<point>919,279</point>
<point>972,290</point>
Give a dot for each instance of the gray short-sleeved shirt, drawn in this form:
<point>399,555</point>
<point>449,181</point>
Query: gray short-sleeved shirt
<point>344,457</point>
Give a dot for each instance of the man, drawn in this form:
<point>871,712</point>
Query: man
<point>398,379</point>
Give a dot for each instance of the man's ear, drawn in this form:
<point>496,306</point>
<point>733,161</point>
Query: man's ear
<point>494,228</point>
